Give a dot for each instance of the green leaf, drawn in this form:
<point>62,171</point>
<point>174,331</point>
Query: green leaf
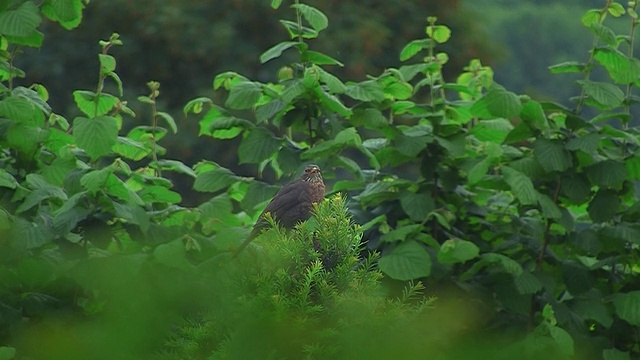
<point>25,235</point>
<point>621,69</point>
<point>552,155</point>
<point>633,167</point>
<point>550,209</point>
<point>315,17</point>
<point>494,130</point>
<point>87,103</point>
<point>96,136</point>
<point>593,309</point>
<point>412,49</point>
<point>260,144</point>
<point>214,180</point>
<point>318,58</point>
<point>333,103</point>
<point>370,118</point>
<point>401,233</point>
<point>604,34</point>
<point>173,254</point>
<point>568,67</point>
<point>268,110</point>
<point>107,63</point>
<point>588,143</point>
<point>607,95</point>
<point>169,120</point>
<point>509,265</point>
<point>454,251</point>
<point>159,194</point>
<point>608,174</point>
<point>439,33</point>
<point>7,352</point>
<point>133,214</point>
<point>244,95</point>
<point>368,90</point>
<point>196,105</point>
<point>417,205</point>
<point>130,149</point>
<point>615,9</point>
<point>604,206</point>
<point>628,307</point>
<point>521,185</point>
<point>527,283</point>
<point>334,84</point>
<point>96,179</point>
<point>615,354</point>
<point>38,195</point>
<point>499,103</point>
<point>18,108</point>
<point>533,114</point>
<point>576,188</point>
<point>407,261</point>
<point>7,180</point>
<point>21,21</point>
<point>277,50</point>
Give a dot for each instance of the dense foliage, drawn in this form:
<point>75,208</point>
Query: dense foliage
<point>519,215</point>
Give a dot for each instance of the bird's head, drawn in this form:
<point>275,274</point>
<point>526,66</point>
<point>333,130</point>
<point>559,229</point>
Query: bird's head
<point>312,173</point>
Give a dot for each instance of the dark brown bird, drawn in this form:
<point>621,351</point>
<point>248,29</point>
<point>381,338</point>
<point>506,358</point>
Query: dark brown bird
<point>292,204</point>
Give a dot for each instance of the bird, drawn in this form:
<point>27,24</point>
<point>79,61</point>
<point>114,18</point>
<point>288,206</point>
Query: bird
<point>292,204</point>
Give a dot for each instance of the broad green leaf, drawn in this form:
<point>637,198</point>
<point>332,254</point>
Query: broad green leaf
<point>521,185</point>
<point>334,84</point>
<point>348,136</point>
<point>244,95</point>
<point>133,214</point>
<point>7,352</point>
<point>293,90</point>
<point>87,103</point>
<point>402,233</point>
<point>130,149</point>
<point>627,307</point>
<point>616,9</point>
<point>169,120</point>
<point>96,136</point>
<point>615,354</point>
<point>7,180</point>
<point>604,34</point>
<point>412,49</point>
<point>276,50</point>
<point>260,144</point>
<point>533,114</point>
<point>407,261</point>
<point>509,265</point>
<point>96,179</point>
<point>214,180</point>
<point>622,69</point>
<point>454,251</point>
<point>20,21</point>
<point>38,195</point>
<point>494,130</point>
<point>318,58</point>
<point>173,254</point>
<point>411,145</point>
<point>159,194</point>
<point>563,340</point>
<point>604,206</point>
<point>588,143</point>
<point>550,209</point>
<point>370,118</point>
<point>609,174</point>
<point>552,155</point>
<point>268,110</point>
<point>576,277</point>
<point>567,67</point>
<point>417,205</point>
<point>25,235</point>
<point>315,17</point>
<point>527,283</point>
<point>608,95</point>
<point>257,193</point>
<point>107,63</point>
<point>633,167</point>
<point>333,103</point>
<point>20,109</point>
<point>593,309</point>
<point>479,170</point>
<point>439,33</point>
<point>498,102</point>
<point>368,90</point>
<point>576,188</point>
<point>196,105</point>
<point>176,166</point>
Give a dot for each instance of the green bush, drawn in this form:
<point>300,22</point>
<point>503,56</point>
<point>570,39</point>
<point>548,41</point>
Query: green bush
<point>520,216</point>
